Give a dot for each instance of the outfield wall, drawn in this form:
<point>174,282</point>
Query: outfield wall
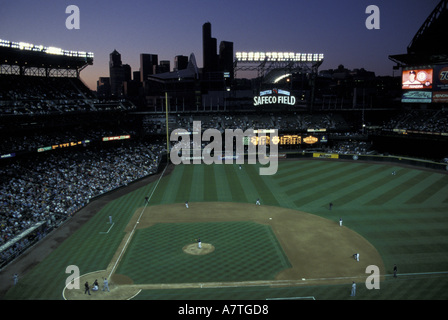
<point>372,158</point>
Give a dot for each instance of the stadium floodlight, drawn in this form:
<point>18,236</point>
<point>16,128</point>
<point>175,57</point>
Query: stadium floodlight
<point>49,50</point>
<point>4,43</point>
<point>54,50</point>
<point>278,56</point>
<point>25,46</point>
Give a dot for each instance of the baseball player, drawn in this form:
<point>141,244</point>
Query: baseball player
<point>106,285</point>
<point>199,243</point>
<point>258,202</point>
<point>340,222</point>
<point>86,288</point>
<point>186,204</point>
<point>353,292</point>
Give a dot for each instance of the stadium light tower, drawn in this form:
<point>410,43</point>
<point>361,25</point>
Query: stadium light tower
<point>264,62</point>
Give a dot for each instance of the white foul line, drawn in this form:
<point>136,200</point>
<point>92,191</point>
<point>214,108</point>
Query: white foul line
<point>135,225</point>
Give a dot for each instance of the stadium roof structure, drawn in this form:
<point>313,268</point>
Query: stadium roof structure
<point>22,58</point>
<point>273,66</point>
<point>191,72</point>
<point>429,45</point>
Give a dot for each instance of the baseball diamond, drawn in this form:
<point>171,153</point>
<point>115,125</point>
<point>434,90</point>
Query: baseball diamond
<point>291,245</point>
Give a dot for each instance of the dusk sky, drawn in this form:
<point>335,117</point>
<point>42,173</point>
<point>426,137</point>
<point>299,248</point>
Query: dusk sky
<point>168,28</point>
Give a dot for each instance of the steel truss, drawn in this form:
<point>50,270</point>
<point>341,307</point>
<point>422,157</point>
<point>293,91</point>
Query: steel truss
<point>13,69</point>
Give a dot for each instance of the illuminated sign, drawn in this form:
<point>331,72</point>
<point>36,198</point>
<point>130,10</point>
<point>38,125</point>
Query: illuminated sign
<point>440,97</point>
<point>417,79</point>
<point>316,130</point>
<point>326,155</point>
<point>441,78</point>
<point>117,138</point>
<point>63,145</point>
<point>310,140</point>
<point>283,140</point>
<point>274,96</point>
<point>278,140</point>
<point>7,155</point>
<point>417,97</point>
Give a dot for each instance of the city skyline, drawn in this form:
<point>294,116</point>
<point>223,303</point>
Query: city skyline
<point>171,28</point>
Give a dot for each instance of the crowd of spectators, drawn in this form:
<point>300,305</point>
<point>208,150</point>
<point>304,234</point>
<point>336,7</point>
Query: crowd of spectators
<point>156,124</point>
<point>50,95</point>
<point>350,147</point>
<point>31,142</point>
<point>419,120</point>
<point>54,186</point>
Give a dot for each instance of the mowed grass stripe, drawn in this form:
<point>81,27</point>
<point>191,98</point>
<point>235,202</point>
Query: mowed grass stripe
<point>305,173</point>
<point>184,184</point>
<point>428,192</point>
<point>197,183</point>
<point>340,185</point>
<point>210,187</point>
<point>285,169</point>
<point>236,189</point>
<point>266,195</point>
<point>397,186</point>
<point>322,178</point>
<point>223,192</point>
<point>364,187</point>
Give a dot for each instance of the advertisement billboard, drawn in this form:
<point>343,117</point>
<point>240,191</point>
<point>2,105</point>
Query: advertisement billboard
<point>417,97</point>
<point>274,97</point>
<point>417,79</point>
<point>441,78</point>
<point>440,97</point>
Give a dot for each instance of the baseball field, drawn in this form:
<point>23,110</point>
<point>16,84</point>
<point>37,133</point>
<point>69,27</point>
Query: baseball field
<point>292,246</point>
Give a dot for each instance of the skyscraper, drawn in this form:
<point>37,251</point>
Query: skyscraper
<point>116,73</point>
<point>209,46</point>
<point>180,62</point>
<point>226,58</point>
<point>147,64</point>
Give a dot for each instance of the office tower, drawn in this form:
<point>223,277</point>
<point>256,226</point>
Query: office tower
<point>164,66</point>
<point>116,73</point>
<point>180,62</point>
<point>226,58</point>
<point>208,49</point>
<point>127,71</point>
<point>147,64</point>
<point>136,76</point>
<point>103,87</point>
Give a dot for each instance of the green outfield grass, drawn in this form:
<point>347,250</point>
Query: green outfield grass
<point>405,216</point>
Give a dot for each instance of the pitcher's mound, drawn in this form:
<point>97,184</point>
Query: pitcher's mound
<point>193,249</point>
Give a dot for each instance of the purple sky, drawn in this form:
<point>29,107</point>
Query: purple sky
<point>174,27</point>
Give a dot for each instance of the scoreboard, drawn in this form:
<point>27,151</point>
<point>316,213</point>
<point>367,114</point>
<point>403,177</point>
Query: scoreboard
<point>284,140</point>
<point>425,84</point>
